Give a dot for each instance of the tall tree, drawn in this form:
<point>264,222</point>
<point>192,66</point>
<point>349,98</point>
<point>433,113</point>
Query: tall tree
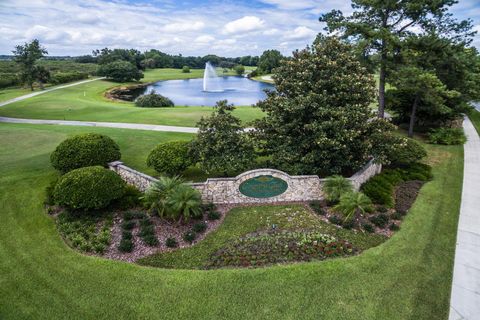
<point>221,145</point>
<point>381,25</point>
<point>269,60</point>
<point>26,57</point>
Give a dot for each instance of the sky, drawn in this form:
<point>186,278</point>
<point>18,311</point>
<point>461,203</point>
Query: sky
<point>190,27</point>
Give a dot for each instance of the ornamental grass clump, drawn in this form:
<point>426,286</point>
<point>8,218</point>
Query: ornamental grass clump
<point>353,205</point>
<point>335,186</point>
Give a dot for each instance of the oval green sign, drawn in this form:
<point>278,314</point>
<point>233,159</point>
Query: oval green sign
<point>263,187</point>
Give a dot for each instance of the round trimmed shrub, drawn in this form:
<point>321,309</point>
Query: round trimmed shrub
<point>186,69</point>
<point>170,157</point>
<point>84,150</point>
<point>88,188</point>
<point>153,100</point>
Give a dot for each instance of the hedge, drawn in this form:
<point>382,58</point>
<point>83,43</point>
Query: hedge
<point>84,150</point>
<point>170,157</point>
<point>88,188</point>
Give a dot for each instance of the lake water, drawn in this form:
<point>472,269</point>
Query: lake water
<point>238,90</point>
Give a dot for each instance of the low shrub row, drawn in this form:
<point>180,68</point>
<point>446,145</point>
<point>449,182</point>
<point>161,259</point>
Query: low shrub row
<point>380,189</point>
<point>147,232</point>
<point>447,136</point>
<point>153,100</point>
<point>64,77</point>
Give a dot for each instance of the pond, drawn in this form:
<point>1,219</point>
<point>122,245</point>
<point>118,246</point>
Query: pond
<point>238,90</point>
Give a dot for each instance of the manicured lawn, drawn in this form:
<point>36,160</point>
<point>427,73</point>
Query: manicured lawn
<point>10,93</point>
<point>474,116</point>
<point>407,277</point>
<point>86,102</point>
<point>242,221</point>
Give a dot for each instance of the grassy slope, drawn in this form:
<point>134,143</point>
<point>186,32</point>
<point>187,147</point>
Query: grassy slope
<point>408,277</point>
<point>86,102</point>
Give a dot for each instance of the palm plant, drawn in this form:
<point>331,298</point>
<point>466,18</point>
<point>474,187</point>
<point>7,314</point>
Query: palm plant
<point>185,202</point>
<point>353,204</point>
<point>335,186</point>
<point>156,197</point>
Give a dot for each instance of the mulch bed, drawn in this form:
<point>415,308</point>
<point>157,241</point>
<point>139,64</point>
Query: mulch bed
<point>405,195</point>
<point>163,229</point>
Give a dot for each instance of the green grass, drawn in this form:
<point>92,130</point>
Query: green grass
<point>10,93</point>
<point>86,102</point>
<point>242,221</point>
<point>407,277</point>
<point>474,116</point>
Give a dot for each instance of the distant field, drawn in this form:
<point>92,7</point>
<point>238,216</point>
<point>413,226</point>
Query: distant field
<point>86,102</point>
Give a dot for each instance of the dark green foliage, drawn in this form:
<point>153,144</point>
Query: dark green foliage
<point>368,227</point>
<point>208,207</point>
<point>199,227</point>
<point>49,197</point>
<point>120,71</point>
<point>317,120</point>
<point>128,225</point>
<point>131,198</point>
<point>382,209</point>
<point>171,157</point>
<point>417,171</point>
<point>239,69</point>
<point>153,100</point>
<point>64,77</point>
<point>279,247</point>
<point>88,188</point>
<point>171,242</point>
<point>269,60</point>
<point>221,144</point>
<point>127,235</point>
<point>186,69</point>
<point>380,220</point>
<point>394,227</point>
<point>380,190</point>
<point>447,136</point>
<point>147,232</point>
<point>406,151</point>
<point>335,186</point>
<point>189,236</point>
<point>87,233</point>
<point>84,150</point>
<point>317,207</point>
<point>130,215</point>
<point>213,215</point>
<point>348,224</point>
<point>335,220</point>
<point>126,245</point>
<point>26,57</point>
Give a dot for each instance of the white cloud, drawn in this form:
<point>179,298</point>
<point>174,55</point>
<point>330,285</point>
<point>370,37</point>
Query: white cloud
<point>245,24</point>
<point>204,39</point>
<point>184,26</point>
<point>300,33</point>
<point>271,32</point>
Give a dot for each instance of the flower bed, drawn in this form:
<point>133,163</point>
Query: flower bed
<point>260,249</point>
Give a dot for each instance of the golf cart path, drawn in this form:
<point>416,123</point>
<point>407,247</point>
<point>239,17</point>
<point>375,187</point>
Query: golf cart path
<point>120,125</point>
<point>33,94</point>
<point>465,297</point>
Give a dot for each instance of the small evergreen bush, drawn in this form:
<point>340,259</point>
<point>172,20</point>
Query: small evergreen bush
<point>171,157</point>
<point>335,220</point>
<point>199,227</point>
<point>153,100</point>
<point>380,220</point>
<point>171,242</point>
<point>368,227</point>
<point>131,198</point>
<point>408,151</point>
<point>125,245</point>
<point>394,227</point>
<point>189,236</point>
<point>84,150</point>
<point>213,215</point>
<point>186,69</point>
<point>88,188</point>
<point>447,136</point>
<point>317,207</point>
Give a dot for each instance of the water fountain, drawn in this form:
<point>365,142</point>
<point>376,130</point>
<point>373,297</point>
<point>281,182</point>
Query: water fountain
<point>211,81</point>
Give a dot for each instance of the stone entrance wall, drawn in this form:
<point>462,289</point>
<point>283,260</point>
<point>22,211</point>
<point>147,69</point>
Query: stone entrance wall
<point>226,190</point>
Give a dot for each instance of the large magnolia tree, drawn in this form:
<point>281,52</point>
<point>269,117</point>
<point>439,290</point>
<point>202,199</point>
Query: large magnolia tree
<point>318,121</point>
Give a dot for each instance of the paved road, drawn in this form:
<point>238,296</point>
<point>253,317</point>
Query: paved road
<point>465,298</point>
<point>33,94</point>
<point>121,125</point>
